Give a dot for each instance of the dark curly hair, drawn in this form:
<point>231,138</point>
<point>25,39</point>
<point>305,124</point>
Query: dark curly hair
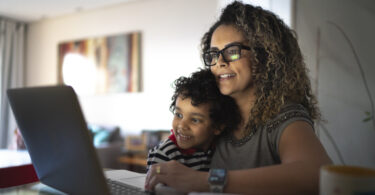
<point>278,70</point>
<point>201,87</point>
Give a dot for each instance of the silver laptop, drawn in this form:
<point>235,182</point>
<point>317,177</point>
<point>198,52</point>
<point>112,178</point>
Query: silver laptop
<point>61,149</point>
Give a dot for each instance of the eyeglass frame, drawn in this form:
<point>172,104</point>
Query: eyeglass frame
<point>221,52</point>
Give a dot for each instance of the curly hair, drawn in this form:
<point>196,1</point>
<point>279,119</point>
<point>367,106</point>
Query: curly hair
<point>278,69</point>
<point>201,88</point>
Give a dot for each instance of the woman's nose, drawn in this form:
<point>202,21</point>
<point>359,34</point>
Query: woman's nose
<point>221,62</point>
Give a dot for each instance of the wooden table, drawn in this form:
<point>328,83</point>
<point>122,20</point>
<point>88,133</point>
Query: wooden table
<point>133,161</point>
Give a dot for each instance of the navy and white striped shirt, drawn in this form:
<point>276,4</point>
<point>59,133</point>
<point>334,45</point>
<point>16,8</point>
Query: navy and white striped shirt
<point>168,150</point>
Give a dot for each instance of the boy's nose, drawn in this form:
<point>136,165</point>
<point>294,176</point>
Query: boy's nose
<point>182,125</point>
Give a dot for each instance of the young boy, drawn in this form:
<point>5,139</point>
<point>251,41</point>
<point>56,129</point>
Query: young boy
<point>200,114</point>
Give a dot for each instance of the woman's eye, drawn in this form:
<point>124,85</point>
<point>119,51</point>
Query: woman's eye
<point>232,54</point>
<point>233,51</point>
<point>214,55</point>
<point>235,56</point>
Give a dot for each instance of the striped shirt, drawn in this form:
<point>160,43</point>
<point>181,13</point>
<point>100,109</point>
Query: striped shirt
<point>168,150</point>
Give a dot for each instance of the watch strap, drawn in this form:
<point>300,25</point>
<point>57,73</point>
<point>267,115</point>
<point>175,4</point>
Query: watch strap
<point>217,188</point>
<point>217,180</point>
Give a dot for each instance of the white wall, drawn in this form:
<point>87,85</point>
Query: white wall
<point>171,32</point>
<point>282,8</point>
<point>336,75</point>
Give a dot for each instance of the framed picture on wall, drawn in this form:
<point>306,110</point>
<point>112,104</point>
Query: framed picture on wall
<point>109,64</point>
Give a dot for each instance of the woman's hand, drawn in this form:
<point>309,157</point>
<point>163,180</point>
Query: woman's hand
<point>177,176</point>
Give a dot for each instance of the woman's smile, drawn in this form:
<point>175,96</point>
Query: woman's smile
<point>226,76</point>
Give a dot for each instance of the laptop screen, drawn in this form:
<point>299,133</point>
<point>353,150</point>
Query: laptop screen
<point>56,136</point>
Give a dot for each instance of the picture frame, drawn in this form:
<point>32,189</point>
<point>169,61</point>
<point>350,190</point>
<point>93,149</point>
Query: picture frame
<point>101,65</point>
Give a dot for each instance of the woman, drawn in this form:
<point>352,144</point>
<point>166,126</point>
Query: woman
<point>256,60</point>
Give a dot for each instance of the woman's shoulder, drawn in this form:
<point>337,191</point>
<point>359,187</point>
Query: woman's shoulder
<point>289,113</point>
<point>288,107</point>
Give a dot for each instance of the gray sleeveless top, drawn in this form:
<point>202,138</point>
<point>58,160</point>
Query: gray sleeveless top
<point>261,147</point>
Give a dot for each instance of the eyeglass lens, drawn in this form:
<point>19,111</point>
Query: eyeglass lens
<point>229,54</point>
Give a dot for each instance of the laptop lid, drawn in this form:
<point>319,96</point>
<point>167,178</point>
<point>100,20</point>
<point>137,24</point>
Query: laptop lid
<point>56,135</point>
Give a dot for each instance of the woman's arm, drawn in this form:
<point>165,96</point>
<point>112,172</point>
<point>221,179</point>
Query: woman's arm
<point>301,154</point>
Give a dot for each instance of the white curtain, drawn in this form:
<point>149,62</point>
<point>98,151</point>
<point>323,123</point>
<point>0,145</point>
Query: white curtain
<point>12,43</point>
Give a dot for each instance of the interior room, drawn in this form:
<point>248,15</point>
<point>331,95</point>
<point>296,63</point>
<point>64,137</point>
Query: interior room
<point>129,116</point>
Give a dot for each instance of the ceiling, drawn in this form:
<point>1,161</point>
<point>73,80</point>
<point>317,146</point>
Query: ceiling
<point>34,10</point>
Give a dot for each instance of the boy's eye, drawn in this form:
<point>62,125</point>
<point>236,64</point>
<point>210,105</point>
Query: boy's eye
<point>178,115</point>
<point>194,120</point>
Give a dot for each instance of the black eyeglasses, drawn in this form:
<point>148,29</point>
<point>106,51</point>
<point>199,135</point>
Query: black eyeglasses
<point>230,53</point>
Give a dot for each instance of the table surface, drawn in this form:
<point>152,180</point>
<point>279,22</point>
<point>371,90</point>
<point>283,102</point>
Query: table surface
<point>36,188</point>
<point>11,158</point>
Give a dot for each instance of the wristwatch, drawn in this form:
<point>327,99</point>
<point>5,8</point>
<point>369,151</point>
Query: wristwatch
<point>217,180</point>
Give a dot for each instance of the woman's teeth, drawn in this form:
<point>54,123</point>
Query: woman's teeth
<point>224,76</point>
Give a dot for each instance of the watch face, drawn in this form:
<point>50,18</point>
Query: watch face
<point>217,176</point>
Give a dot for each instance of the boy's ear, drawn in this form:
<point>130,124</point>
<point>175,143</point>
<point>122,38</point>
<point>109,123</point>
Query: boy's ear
<point>218,130</point>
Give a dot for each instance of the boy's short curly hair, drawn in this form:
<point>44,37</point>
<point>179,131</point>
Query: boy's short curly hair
<point>201,87</point>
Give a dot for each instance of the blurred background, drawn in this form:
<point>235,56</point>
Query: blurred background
<point>336,38</point>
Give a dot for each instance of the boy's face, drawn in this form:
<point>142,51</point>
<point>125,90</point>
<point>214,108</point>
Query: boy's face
<point>192,125</point>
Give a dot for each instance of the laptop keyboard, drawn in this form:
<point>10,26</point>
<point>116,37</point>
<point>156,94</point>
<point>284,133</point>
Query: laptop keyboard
<point>118,188</point>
